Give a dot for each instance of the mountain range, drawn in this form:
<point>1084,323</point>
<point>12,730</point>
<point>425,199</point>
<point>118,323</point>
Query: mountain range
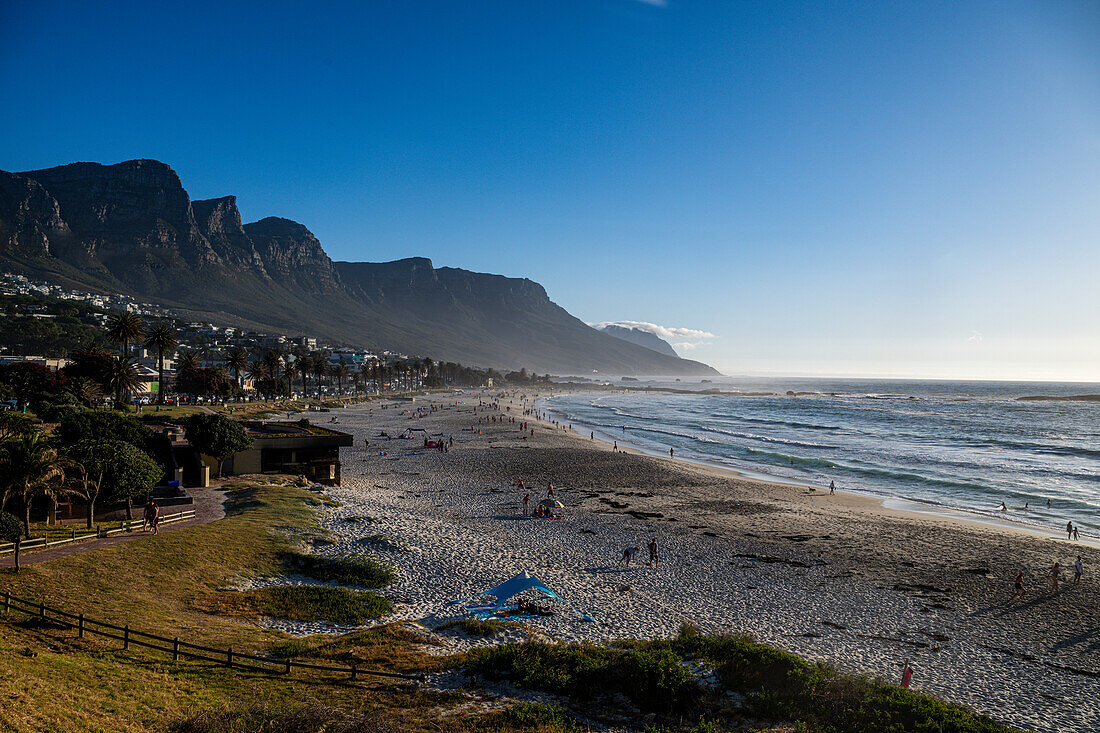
<point>132,228</point>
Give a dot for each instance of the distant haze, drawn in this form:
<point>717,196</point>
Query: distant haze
<point>845,188</point>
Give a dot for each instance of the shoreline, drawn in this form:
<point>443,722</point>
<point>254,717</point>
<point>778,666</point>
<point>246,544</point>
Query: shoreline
<point>838,579</point>
<point>919,508</point>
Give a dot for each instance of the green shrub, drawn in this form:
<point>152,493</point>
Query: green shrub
<point>318,603</point>
<point>778,687</point>
<point>475,626</point>
<point>361,571</point>
<point>537,715</point>
<point>653,678</point>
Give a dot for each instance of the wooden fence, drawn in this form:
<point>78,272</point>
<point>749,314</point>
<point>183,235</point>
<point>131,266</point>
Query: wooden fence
<point>178,648</point>
<point>73,535</point>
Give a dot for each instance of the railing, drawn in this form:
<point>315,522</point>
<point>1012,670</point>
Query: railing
<point>126,525</point>
<point>178,648</point>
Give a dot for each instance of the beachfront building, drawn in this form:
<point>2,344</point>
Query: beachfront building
<point>297,448</point>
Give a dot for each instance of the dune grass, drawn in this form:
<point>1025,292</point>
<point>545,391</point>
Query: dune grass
<point>301,603</point>
<point>365,572</point>
<point>656,676</point>
<point>475,626</point>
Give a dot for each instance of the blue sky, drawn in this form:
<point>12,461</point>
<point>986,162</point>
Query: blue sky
<point>907,189</point>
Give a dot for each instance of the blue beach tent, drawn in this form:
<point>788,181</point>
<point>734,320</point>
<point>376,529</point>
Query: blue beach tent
<point>510,588</point>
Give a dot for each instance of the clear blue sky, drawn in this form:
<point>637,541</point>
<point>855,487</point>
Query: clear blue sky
<point>833,188</point>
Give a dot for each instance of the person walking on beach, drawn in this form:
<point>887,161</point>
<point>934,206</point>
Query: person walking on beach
<point>654,554</point>
<point>1069,530</point>
<point>1078,570</point>
<point>526,501</point>
<point>1076,535</point>
<point>1054,572</point>
<point>671,453</point>
<point>1018,585</point>
<point>832,488</point>
<point>628,555</point>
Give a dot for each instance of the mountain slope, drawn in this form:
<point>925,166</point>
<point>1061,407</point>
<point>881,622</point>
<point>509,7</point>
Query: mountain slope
<point>132,228</point>
<point>639,337</point>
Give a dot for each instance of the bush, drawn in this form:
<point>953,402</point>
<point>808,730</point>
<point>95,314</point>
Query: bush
<point>475,626</point>
<point>777,686</point>
<point>361,571</point>
<point>80,424</point>
<point>312,603</point>
<point>536,715</point>
<point>654,678</point>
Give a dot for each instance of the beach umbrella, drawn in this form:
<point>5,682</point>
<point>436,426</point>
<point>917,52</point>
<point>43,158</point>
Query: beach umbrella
<point>552,504</point>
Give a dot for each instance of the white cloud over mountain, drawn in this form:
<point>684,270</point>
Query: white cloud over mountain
<point>666,332</point>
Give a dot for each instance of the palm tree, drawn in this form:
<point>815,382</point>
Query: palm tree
<point>320,369</point>
<point>162,338</point>
<point>304,364</point>
<point>256,371</point>
<point>273,360</point>
<point>290,370</point>
<point>122,377</point>
<point>189,361</point>
<point>340,372</point>
<point>85,390</point>
<point>236,359</point>
<point>124,328</point>
<point>30,468</point>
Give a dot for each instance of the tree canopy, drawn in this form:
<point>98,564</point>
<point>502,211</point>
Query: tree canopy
<point>119,470</point>
<point>216,436</point>
<point>78,425</point>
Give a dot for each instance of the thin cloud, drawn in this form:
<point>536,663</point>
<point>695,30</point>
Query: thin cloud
<point>655,3</point>
<point>975,337</point>
<point>666,332</point>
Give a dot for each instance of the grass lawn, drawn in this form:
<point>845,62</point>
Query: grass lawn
<point>51,680</point>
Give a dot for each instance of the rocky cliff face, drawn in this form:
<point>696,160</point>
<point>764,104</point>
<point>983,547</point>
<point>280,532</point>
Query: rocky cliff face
<point>29,217</point>
<point>137,210</point>
<point>220,222</point>
<point>132,228</point>
<point>290,253</point>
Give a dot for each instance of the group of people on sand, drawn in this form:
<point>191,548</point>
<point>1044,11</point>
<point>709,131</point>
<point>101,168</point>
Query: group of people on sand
<point>540,510</point>
<point>630,554</point>
<point>1055,578</point>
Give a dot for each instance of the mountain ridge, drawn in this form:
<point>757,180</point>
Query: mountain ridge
<point>131,227</point>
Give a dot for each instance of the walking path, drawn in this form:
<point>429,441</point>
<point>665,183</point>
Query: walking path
<point>209,506</point>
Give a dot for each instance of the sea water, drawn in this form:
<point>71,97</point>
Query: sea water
<point>965,446</point>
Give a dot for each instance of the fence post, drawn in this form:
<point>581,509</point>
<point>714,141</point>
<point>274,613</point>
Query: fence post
<point>80,626</point>
<point>353,672</point>
<point>7,601</point>
<point>73,534</point>
<point>229,657</point>
<point>46,539</point>
<point>126,636</point>
<point>42,610</point>
<point>287,667</point>
<point>176,649</point>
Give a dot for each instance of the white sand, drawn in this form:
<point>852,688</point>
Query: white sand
<point>462,533</point>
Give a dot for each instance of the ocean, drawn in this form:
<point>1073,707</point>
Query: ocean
<point>965,446</point>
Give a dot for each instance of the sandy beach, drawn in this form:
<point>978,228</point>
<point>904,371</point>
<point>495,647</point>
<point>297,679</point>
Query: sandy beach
<point>838,578</point>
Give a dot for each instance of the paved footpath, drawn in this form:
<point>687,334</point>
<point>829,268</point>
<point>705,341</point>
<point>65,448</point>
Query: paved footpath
<point>209,506</point>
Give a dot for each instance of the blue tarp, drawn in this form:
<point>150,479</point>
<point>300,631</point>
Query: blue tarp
<point>519,583</point>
